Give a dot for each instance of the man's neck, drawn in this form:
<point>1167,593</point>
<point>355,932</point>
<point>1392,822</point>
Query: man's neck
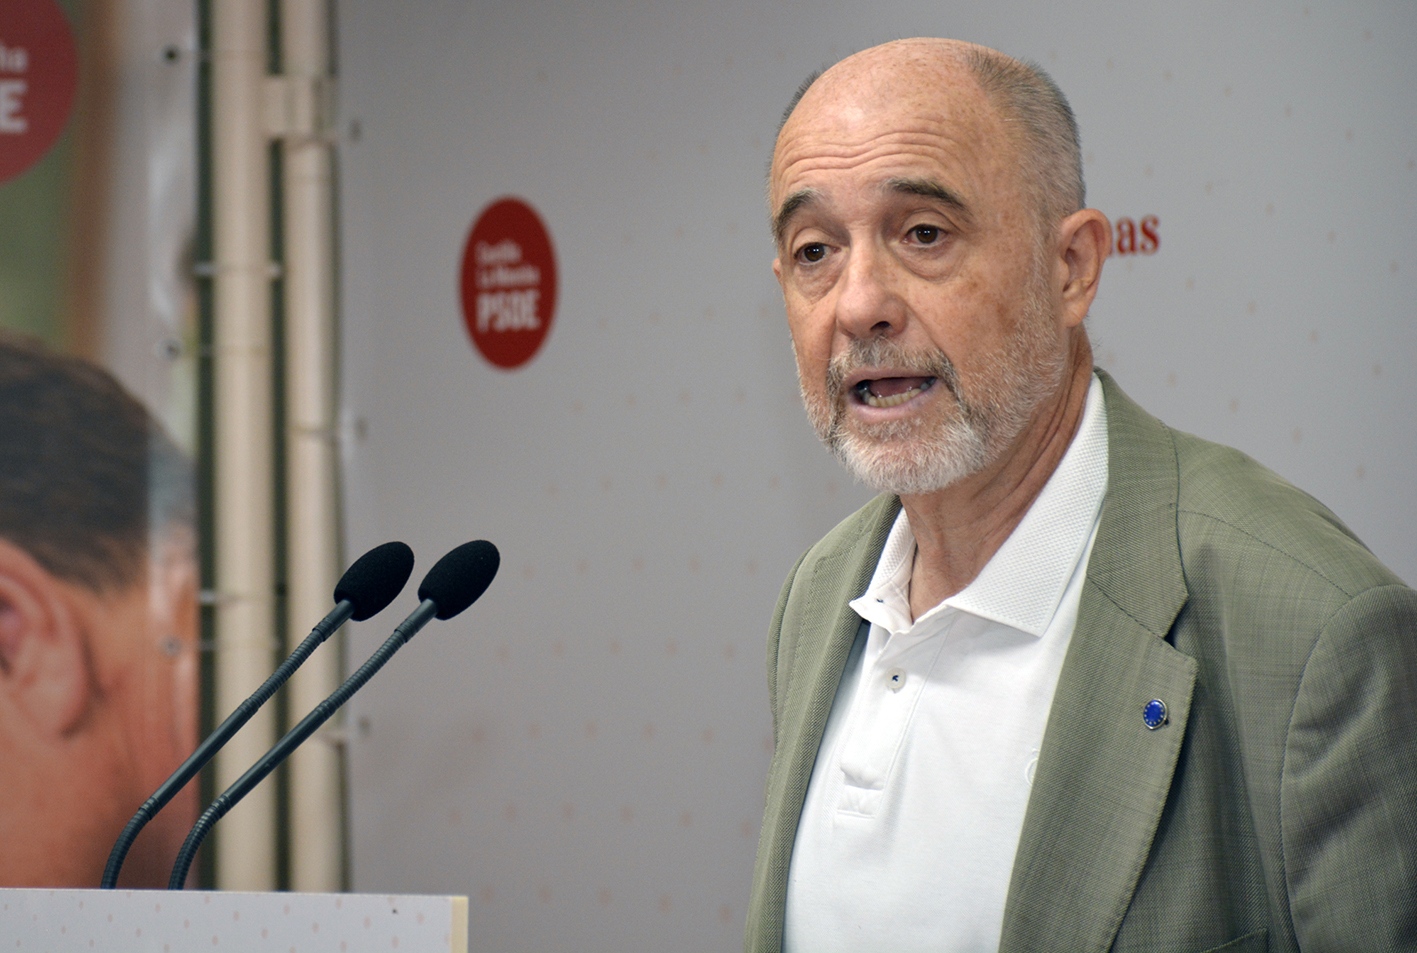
<point>958,529</point>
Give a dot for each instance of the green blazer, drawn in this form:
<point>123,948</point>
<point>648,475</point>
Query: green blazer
<point>1277,807</point>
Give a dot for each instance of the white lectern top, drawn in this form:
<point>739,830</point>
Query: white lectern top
<point>173,921</point>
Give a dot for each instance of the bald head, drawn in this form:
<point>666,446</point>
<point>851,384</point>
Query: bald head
<point>934,76</point>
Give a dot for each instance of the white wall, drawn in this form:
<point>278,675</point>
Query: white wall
<point>583,751</point>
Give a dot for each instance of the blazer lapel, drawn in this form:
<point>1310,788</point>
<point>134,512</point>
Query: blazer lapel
<point>1103,775</point>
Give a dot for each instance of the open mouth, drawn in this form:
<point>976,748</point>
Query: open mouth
<point>891,391</point>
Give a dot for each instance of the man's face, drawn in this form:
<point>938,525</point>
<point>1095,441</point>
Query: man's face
<point>917,287</point>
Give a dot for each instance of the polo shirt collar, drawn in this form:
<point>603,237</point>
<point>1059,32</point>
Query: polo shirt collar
<point>1023,583</point>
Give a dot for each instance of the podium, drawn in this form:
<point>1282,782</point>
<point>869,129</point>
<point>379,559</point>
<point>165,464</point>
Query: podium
<point>176,921</point>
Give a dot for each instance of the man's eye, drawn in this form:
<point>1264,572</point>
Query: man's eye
<point>813,252</point>
<point>925,234</point>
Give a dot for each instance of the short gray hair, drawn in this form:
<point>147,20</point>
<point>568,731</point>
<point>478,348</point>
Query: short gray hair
<point>1050,150</point>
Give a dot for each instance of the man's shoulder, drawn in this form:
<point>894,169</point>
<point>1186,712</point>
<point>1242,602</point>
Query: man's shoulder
<point>1229,507</point>
<point>1228,500</point>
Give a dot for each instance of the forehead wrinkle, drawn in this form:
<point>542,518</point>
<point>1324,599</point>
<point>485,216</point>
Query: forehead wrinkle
<point>802,154</point>
<point>804,148</point>
<point>843,149</point>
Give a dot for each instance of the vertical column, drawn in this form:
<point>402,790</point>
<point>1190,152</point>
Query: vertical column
<point>245,622</point>
<point>316,848</point>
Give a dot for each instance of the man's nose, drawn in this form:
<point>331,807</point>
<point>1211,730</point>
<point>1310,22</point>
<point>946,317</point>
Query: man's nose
<point>868,302</point>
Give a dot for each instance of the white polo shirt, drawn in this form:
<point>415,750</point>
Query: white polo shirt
<point>916,802</point>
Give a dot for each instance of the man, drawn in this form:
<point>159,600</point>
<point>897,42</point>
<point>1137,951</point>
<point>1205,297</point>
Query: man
<point>1074,681</point>
<point>98,617</point>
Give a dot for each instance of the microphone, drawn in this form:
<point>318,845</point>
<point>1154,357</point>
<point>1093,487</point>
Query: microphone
<point>454,583</point>
<point>364,590</point>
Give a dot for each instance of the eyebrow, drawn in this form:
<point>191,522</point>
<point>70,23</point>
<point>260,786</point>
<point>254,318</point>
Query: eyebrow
<point>925,188</point>
<point>930,189</point>
<point>790,206</point>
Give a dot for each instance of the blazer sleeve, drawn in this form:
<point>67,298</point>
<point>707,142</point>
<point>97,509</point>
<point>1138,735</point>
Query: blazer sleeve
<point>1348,795</point>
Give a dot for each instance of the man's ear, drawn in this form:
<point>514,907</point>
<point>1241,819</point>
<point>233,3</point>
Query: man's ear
<point>43,666</point>
<point>1085,240</point>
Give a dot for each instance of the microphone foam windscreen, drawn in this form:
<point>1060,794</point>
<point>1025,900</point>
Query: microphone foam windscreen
<point>375,578</point>
<point>456,580</point>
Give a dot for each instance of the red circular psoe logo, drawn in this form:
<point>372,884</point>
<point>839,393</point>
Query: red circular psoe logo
<point>508,283</point>
<point>39,70</point>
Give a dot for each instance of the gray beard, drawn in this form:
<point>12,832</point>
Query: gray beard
<point>926,454</point>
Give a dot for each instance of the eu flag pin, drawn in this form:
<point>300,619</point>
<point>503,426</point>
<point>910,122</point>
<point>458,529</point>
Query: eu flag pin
<point>1154,714</point>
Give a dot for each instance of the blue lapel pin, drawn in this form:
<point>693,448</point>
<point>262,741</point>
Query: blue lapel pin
<point>1154,714</point>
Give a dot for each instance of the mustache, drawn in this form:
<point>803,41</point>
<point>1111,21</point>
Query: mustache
<point>878,352</point>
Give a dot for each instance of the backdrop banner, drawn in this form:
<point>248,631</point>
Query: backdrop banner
<point>98,528</point>
<point>583,752</point>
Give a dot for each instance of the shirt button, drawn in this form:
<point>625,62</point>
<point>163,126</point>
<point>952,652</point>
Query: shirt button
<point>895,679</point>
